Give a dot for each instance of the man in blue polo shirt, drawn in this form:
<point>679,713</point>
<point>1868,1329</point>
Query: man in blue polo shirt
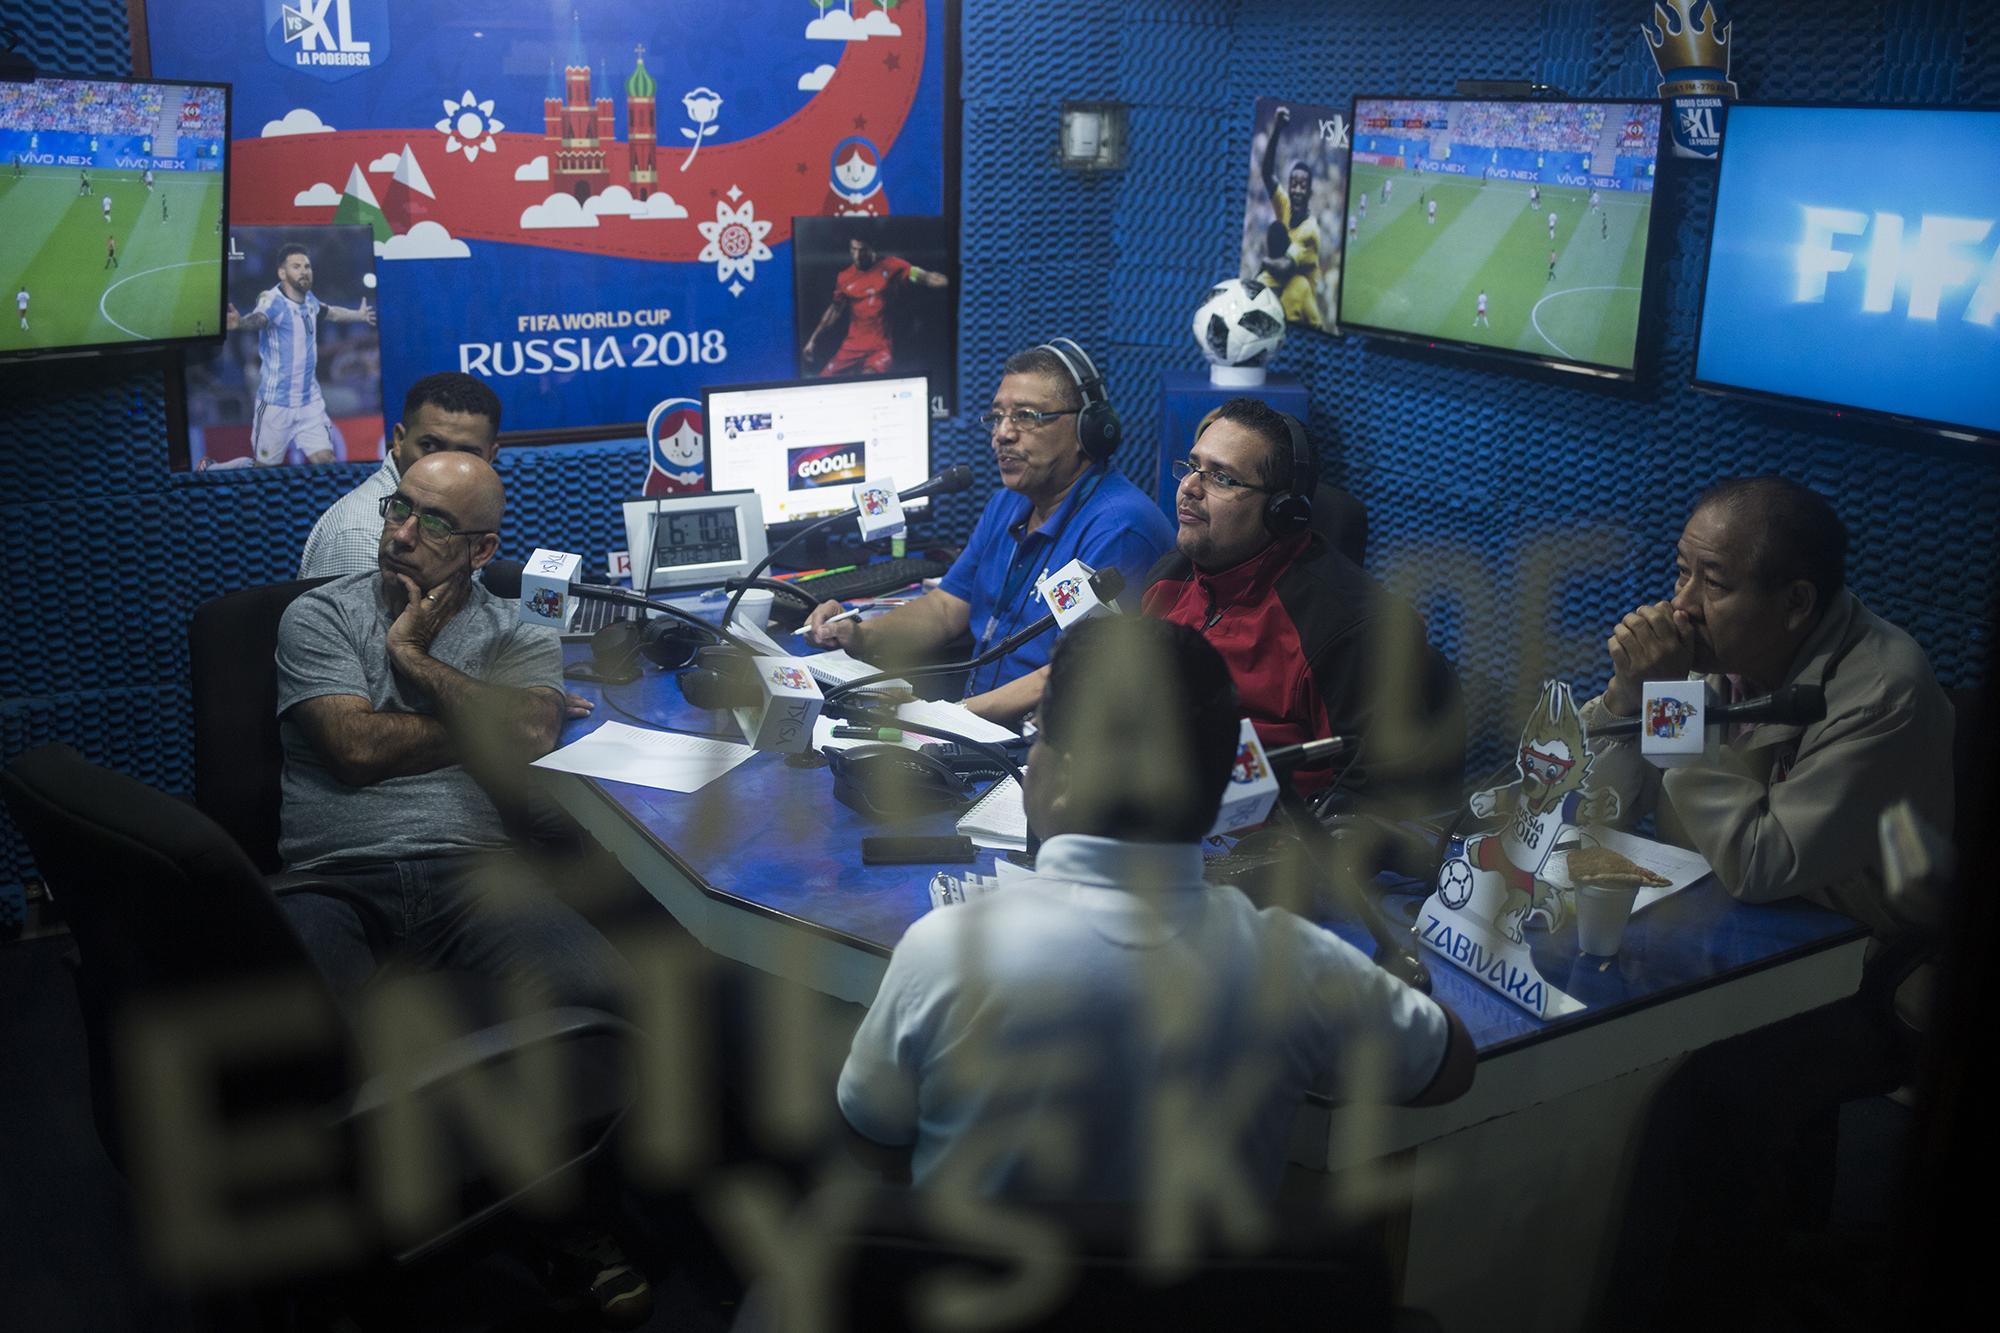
<point>1057,505</point>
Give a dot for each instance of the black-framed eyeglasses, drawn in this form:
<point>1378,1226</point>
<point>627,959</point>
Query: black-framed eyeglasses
<point>396,511</point>
<point>1183,468</point>
<point>1022,418</point>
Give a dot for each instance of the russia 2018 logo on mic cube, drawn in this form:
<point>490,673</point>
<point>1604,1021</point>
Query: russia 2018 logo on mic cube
<point>879,509</point>
<point>826,465</point>
<point>1253,788</point>
<point>784,719</point>
<point>1069,595</point>
<point>1671,721</point>
<point>545,580</point>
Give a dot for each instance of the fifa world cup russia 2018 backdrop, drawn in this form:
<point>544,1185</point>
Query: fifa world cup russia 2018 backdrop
<point>589,205</point>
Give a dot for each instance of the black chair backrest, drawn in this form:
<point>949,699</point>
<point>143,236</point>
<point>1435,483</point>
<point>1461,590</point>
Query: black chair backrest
<point>1342,520</point>
<point>238,763</point>
<point>159,901</point>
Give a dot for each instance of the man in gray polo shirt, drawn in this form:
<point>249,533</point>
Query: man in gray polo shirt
<point>442,413</point>
<point>409,696</point>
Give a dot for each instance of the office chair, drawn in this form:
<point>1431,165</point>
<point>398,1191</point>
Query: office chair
<point>1341,519</point>
<point>166,910</point>
<point>238,763</point>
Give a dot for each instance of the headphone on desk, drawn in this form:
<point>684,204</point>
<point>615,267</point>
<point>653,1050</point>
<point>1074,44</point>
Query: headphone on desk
<point>1097,427</point>
<point>1291,510</point>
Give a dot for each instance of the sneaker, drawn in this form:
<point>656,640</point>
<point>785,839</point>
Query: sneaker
<point>623,1296</point>
<point>593,1269</point>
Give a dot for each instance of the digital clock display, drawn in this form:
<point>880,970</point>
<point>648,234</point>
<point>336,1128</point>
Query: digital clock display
<point>696,537</point>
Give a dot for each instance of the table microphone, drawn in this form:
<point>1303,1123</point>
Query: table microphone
<point>775,701</point>
<point>1102,587</point>
<point>956,478</point>
<point>1788,705</point>
<point>548,585</point>
<point>1310,754</point>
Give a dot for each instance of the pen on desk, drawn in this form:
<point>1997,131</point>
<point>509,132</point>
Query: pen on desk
<point>822,573</point>
<point>844,615</point>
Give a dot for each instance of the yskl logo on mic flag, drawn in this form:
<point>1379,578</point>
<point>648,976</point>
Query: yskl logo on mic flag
<point>1689,40</point>
<point>879,509</point>
<point>1671,732</point>
<point>545,580</point>
<point>1068,594</point>
<point>1253,788</point>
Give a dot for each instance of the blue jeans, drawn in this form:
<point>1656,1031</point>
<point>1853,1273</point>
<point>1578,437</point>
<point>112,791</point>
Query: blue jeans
<point>472,914</point>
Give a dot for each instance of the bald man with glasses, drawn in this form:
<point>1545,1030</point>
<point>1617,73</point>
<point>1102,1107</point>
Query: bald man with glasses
<point>1055,505</point>
<point>410,701</point>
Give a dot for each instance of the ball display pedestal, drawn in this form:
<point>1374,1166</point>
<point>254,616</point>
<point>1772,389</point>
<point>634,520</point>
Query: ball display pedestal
<point>1237,377</point>
<point>1186,396</point>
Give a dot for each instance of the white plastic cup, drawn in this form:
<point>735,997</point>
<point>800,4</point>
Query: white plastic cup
<point>1601,914</point>
<point>755,608</point>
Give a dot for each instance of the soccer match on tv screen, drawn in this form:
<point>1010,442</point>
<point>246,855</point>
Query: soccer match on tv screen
<point>1514,225</point>
<point>111,197</point>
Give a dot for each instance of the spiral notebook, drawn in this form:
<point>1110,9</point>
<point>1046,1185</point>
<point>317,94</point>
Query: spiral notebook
<point>998,819</point>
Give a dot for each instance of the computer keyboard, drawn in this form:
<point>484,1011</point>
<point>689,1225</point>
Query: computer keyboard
<point>873,579</point>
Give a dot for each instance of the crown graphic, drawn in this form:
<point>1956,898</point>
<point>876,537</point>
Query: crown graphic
<point>1690,48</point>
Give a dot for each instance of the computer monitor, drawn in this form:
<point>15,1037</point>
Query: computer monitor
<point>112,229</point>
<point>1854,263</point>
<point>1511,228</point>
<point>802,444</point>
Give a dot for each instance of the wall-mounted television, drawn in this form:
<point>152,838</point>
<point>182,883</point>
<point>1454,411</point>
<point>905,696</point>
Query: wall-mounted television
<point>1854,263</point>
<point>112,226</point>
<point>1517,228</point>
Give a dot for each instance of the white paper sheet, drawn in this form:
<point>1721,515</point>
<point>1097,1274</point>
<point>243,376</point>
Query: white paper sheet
<point>836,667</point>
<point>663,759</point>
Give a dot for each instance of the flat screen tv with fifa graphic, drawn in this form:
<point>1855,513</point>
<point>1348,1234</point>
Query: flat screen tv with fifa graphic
<point>1854,263</point>
<point>1518,228</point>
<point>112,229</point>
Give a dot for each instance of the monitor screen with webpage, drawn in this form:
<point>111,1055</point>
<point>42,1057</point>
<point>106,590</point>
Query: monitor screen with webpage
<point>1518,228</point>
<point>803,444</point>
<point>111,213</point>
<point>1854,263</point>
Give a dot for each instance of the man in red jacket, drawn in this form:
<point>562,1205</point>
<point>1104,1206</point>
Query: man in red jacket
<point>1316,646</point>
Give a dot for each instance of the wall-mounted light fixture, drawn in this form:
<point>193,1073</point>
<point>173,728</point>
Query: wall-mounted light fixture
<point>1093,136</point>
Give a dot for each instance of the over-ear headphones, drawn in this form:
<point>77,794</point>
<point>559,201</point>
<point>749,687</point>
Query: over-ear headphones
<point>1097,425</point>
<point>1291,510</point>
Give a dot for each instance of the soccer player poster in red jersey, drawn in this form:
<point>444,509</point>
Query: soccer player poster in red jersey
<point>875,296</point>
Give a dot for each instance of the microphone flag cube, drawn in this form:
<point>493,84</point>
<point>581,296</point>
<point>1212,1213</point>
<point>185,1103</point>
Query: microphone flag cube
<point>1252,789</point>
<point>1672,721</point>
<point>878,509</point>
<point>545,580</point>
<point>783,718</point>
<point>1069,595</point>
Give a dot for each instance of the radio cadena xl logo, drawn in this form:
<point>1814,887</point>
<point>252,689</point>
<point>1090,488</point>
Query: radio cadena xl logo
<point>827,465</point>
<point>789,677</point>
<point>1066,593</point>
<point>1249,766</point>
<point>329,39</point>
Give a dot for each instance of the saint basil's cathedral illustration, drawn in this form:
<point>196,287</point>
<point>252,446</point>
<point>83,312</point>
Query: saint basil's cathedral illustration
<point>582,132</point>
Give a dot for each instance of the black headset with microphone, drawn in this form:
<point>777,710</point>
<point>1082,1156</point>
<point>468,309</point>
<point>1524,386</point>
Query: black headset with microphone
<point>1097,427</point>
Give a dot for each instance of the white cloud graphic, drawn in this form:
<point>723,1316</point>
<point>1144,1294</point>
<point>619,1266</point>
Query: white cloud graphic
<point>558,210</point>
<point>298,120</point>
<point>426,240</point>
<point>386,162</point>
<point>659,206</point>
<point>845,28</point>
<point>321,195</point>
<point>615,200</point>
<point>814,80</point>
<point>537,170</point>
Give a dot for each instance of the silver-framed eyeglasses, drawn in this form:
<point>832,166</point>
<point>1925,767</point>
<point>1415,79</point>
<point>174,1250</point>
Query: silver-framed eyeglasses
<point>1023,418</point>
<point>396,511</point>
<point>1183,468</point>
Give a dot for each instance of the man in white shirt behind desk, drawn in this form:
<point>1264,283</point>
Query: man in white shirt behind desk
<point>1116,1021</point>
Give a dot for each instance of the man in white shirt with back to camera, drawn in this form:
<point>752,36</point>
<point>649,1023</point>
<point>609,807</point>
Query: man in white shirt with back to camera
<point>1074,1035</point>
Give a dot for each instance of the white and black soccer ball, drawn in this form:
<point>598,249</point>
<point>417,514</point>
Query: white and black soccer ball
<point>1239,323</point>
<point>1454,884</point>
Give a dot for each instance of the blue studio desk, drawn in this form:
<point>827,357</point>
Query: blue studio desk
<point>763,866</point>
